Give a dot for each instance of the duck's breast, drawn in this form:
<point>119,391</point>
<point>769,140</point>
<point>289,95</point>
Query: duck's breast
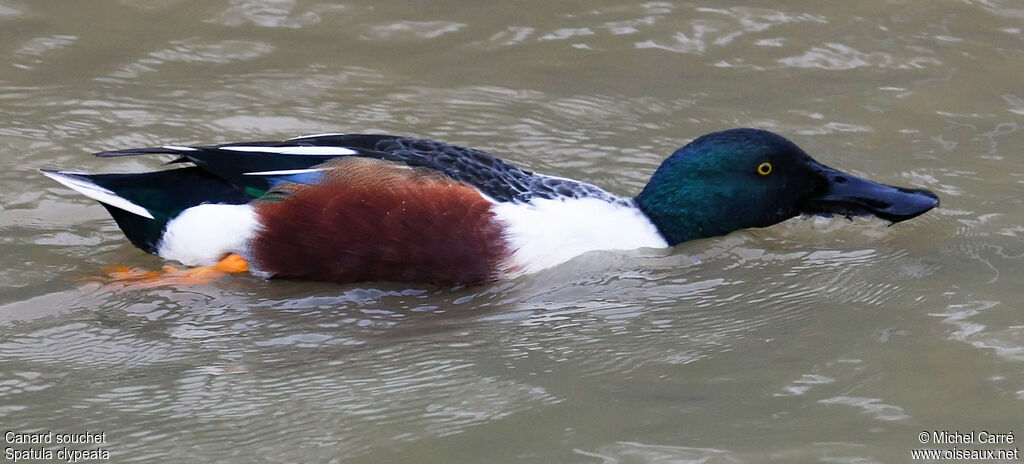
<point>547,232</point>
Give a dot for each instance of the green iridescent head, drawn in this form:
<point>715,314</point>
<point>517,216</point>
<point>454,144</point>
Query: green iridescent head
<point>741,178</point>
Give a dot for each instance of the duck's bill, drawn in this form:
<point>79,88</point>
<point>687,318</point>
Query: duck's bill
<point>849,195</point>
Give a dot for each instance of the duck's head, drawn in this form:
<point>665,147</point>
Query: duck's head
<point>742,178</point>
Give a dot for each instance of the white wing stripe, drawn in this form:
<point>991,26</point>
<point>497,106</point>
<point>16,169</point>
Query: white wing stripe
<point>282,172</point>
<point>295,150</point>
<point>179,148</point>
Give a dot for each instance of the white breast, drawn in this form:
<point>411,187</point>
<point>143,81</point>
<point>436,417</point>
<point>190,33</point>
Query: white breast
<point>546,232</point>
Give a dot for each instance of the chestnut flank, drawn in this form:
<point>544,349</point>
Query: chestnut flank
<point>372,220</point>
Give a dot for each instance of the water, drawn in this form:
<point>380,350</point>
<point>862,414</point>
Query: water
<point>812,341</point>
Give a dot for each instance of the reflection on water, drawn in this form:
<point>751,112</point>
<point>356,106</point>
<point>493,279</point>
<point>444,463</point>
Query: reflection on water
<point>814,340</point>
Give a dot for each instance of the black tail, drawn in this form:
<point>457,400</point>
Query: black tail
<point>142,204</point>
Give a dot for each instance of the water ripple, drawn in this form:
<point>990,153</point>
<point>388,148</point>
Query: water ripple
<point>837,57</point>
<point>267,13</point>
<point>86,345</point>
<point>194,50</point>
<point>33,51</point>
<point>411,30</point>
<point>622,451</point>
<point>873,406</point>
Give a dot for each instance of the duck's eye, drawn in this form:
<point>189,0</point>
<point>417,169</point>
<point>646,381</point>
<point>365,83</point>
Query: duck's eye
<point>764,168</point>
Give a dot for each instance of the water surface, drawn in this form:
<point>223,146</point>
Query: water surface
<point>815,340</point>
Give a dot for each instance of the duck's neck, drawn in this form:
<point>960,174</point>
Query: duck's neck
<point>672,224</point>
<point>680,212</point>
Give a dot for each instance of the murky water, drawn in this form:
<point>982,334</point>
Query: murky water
<point>812,341</point>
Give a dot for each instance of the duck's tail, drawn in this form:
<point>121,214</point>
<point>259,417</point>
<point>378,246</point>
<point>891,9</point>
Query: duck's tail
<point>142,204</point>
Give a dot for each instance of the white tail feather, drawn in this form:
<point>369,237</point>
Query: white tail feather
<point>96,192</point>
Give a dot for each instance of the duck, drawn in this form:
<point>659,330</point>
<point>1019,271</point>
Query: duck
<point>349,208</point>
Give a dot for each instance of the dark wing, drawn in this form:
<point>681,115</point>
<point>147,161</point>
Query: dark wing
<point>257,166</point>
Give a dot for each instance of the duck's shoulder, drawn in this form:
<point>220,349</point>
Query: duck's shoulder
<point>498,179</point>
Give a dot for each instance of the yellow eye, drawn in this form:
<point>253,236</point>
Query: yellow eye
<point>764,168</point>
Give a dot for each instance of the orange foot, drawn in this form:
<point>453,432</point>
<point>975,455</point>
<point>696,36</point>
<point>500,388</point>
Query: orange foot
<point>172,276</point>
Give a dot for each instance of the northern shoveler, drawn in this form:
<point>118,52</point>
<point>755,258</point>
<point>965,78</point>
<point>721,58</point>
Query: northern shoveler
<point>352,207</point>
